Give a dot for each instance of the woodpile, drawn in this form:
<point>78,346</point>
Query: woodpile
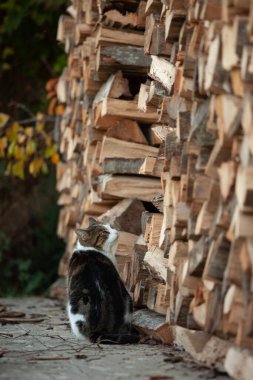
<point>157,138</point>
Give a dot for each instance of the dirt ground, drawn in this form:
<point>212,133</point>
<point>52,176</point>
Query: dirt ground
<point>44,348</point>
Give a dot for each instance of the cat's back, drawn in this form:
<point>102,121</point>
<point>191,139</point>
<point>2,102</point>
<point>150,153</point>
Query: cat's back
<point>91,269</point>
<point>91,263</point>
<point>94,277</point>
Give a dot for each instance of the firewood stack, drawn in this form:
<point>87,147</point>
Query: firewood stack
<point>157,139</point>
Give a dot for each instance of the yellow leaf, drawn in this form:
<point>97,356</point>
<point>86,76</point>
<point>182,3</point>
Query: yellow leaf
<point>8,169</point>
<point>35,166</point>
<point>11,149</point>
<point>29,131</point>
<point>12,132</point>
<point>50,150</point>
<point>7,52</point>
<point>15,126</point>
<point>38,164</point>
<point>44,168</point>
<point>60,109</point>
<point>31,147</point>
<point>3,119</point>
<point>39,116</point>
<point>55,158</point>
<point>21,138</point>
<point>40,125</point>
<point>18,169</point>
<point>19,152</point>
<point>48,140</point>
<point>31,168</point>
<point>6,66</point>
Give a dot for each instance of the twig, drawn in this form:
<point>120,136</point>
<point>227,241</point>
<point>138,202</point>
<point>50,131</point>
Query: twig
<point>49,358</point>
<point>34,119</point>
<point>21,320</point>
<point>7,335</point>
<point>18,336</point>
<point>12,314</point>
<point>91,359</point>
<point>21,106</point>
<point>89,345</point>
<point>62,347</point>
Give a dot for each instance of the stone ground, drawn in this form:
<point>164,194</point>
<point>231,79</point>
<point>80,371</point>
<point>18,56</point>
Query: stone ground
<point>44,349</point>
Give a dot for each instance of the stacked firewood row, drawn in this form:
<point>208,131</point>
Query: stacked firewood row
<point>157,139</point>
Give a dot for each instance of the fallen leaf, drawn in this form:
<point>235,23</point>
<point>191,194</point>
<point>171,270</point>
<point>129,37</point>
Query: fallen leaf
<point>81,356</point>
<point>175,359</point>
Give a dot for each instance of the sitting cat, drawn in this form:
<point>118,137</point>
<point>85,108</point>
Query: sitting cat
<point>99,306</point>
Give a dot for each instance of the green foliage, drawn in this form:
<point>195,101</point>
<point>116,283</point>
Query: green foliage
<point>4,244</point>
<point>29,257</point>
<point>28,262</point>
<point>29,54</point>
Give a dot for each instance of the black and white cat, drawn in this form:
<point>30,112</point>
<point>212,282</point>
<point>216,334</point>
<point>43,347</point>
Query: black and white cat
<point>99,306</point>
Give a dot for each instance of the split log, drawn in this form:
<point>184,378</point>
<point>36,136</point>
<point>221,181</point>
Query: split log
<point>114,148</point>
<point>129,187</point>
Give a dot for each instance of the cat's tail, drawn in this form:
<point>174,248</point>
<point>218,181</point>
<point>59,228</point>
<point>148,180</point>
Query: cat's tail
<point>116,338</point>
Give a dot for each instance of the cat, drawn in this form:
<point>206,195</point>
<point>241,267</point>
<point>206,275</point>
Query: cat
<point>99,306</point>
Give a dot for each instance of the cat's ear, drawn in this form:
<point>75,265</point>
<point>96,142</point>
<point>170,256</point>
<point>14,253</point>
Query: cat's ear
<point>81,234</point>
<point>92,221</point>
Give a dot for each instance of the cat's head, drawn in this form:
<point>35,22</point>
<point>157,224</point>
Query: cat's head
<point>97,235</point>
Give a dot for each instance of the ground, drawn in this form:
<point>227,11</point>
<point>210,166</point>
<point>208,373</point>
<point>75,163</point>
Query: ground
<point>44,349</point>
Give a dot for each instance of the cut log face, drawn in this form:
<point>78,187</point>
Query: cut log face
<point>114,148</point>
<point>217,259</point>
<point>123,36</point>
<point>123,165</point>
<point>156,139</point>
<point>115,87</point>
<point>163,71</point>
<point>123,108</point>
<point>156,263</point>
<point>129,187</point>
<point>125,216</point>
<point>127,130</point>
<point>244,188</point>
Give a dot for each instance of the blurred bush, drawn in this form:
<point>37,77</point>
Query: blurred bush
<point>29,57</point>
<point>29,53</point>
<point>29,248</point>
